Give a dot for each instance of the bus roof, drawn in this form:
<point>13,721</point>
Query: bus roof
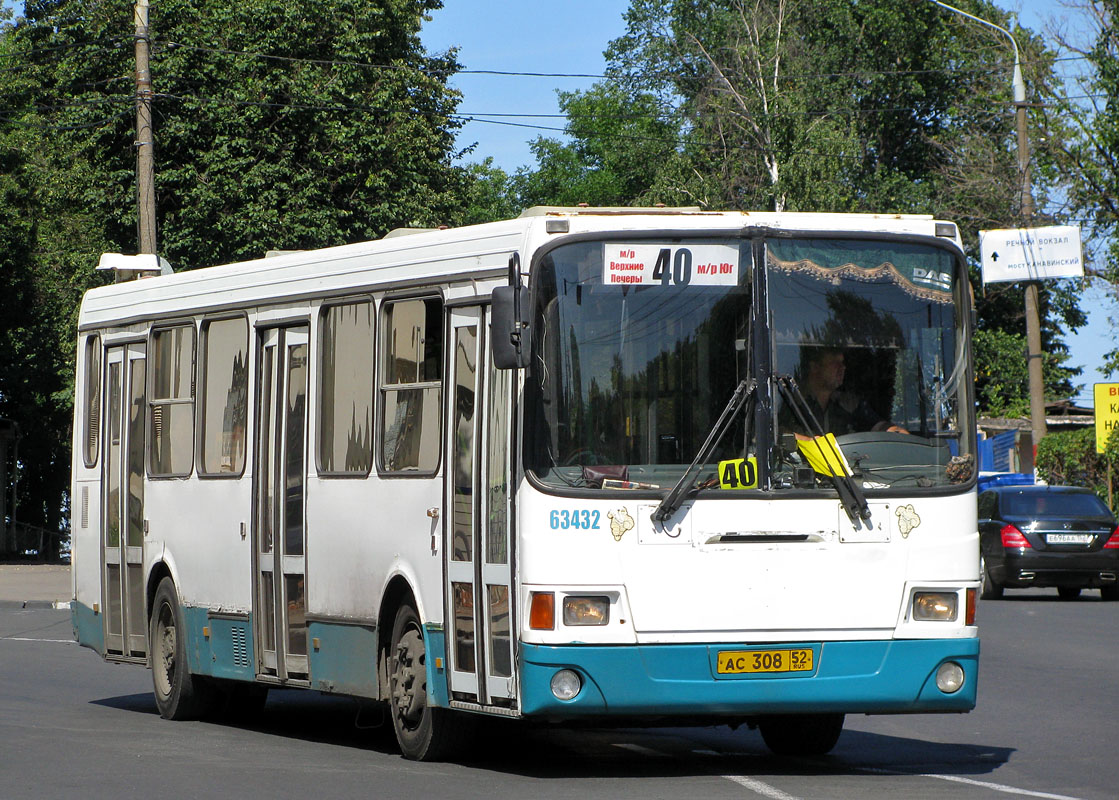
<point>443,256</point>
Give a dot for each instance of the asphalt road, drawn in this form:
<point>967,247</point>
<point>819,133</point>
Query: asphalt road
<point>71,725</point>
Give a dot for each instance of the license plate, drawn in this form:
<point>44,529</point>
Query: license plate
<point>1069,538</point>
<point>737,662</point>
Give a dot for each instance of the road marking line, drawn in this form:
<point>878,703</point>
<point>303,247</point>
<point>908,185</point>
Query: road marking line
<point>637,748</point>
<point>998,787</point>
<point>29,639</point>
<point>760,787</point>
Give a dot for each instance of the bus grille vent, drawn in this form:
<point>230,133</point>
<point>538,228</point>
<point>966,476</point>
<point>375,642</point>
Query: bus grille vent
<point>240,647</point>
<point>85,506</point>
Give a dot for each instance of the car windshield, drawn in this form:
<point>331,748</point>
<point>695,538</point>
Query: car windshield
<point>639,344</point>
<point>1055,504</point>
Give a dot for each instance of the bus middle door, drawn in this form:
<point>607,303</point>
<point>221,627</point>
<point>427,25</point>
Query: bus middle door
<point>279,617</point>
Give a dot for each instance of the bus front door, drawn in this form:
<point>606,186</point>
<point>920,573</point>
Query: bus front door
<point>279,613</point>
<point>122,524</point>
<point>479,561</point>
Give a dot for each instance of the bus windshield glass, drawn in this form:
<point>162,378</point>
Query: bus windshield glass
<point>871,334</point>
<point>639,345</point>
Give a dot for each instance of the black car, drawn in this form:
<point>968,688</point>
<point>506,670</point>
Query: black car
<point>1062,536</point>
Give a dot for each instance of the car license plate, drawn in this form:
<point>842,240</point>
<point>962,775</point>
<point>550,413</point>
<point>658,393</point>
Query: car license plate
<point>1069,538</point>
<point>737,662</point>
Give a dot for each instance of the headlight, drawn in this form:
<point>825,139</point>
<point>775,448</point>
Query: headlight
<point>586,610</point>
<point>935,606</point>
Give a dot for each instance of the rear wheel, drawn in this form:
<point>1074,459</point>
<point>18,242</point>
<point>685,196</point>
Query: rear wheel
<point>424,733</point>
<point>989,588</point>
<point>801,734</point>
<point>1068,592</point>
<point>1110,593</point>
<point>178,693</point>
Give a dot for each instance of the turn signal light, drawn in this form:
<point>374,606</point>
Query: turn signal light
<point>542,611</point>
<point>1012,537</point>
<point>969,608</point>
<point>1113,542</point>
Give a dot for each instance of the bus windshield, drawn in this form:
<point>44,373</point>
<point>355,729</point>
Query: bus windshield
<point>640,344</point>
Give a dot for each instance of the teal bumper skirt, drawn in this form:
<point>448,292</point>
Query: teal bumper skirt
<point>883,677</point>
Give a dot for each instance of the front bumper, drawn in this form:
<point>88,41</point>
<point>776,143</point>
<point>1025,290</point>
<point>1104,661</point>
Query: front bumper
<point>1085,570</point>
<point>892,676</point>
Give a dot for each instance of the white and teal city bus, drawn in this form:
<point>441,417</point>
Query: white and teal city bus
<point>561,468</point>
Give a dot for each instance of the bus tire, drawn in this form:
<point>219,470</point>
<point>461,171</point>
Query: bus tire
<point>801,734</point>
<point>178,693</point>
<point>424,733</point>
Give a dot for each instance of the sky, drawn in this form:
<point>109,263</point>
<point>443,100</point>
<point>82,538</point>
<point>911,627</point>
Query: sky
<point>568,37</point>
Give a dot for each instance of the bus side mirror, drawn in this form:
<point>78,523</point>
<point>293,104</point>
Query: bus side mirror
<point>509,327</point>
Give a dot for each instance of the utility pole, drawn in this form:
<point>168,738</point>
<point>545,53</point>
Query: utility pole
<point>145,143</point>
<point>1033,304</point>
<point>1033,315</point>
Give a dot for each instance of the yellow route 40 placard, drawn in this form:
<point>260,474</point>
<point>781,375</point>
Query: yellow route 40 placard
<point>1107,412</point>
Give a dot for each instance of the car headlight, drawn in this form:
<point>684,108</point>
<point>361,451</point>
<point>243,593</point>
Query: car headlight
<point>586,610</point>
<point>935,606</point>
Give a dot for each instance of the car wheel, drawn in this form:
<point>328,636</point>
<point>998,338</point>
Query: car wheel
<point>989,588</point>
<point>1068,592</point>
<point>801,734</point>
<point>1109,593</point>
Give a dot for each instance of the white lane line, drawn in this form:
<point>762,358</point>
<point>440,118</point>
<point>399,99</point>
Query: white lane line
<point>29,639</point>
<point>637,748</point>
<point>1000,787</point>
<point>997,787</point>
<point>754,785</point>
<point>760,787</point>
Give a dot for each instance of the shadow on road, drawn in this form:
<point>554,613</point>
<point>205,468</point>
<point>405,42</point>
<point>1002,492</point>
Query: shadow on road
<point>563,753</point>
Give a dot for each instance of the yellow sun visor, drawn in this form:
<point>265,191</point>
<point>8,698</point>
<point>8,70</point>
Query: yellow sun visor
<point>824,456</point>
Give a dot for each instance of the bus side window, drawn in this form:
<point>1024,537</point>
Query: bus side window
<point>224,396</point>
<point>411,385</point>
<point>345,427</point>
<point>171,407</point>
<point>92,399</point>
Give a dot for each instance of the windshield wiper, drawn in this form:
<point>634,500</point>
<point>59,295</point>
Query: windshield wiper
<point>854,503</point>
<point>671,502</point>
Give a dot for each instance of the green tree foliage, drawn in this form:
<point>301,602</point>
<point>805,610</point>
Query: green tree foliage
<point>1070,458</point>
<point>275,128</point>
<point>820,105</point>
<point>1090,157</point>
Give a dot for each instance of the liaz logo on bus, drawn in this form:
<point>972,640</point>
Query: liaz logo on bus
<point>669,265</point>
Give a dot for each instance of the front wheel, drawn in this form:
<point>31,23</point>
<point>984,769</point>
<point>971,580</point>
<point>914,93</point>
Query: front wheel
<point>424,733</point>
<point>178,693</point>
<point>801,734</point>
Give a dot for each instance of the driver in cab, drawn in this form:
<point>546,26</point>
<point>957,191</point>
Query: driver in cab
<point>837,410</point>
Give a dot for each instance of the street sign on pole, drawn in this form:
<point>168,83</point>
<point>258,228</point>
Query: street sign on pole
<point>1031,254</point>
<point>1106,396</point>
